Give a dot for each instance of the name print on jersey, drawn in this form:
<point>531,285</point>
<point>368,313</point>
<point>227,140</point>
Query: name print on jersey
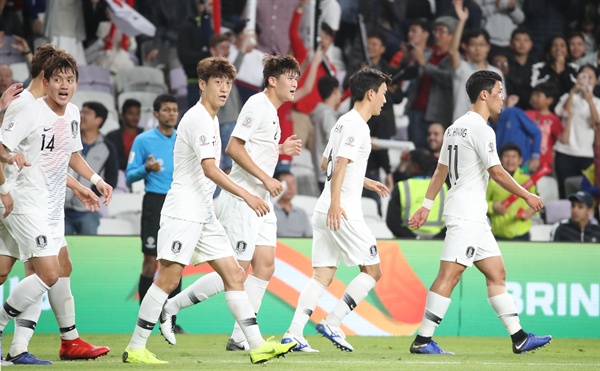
<point>456,132</point>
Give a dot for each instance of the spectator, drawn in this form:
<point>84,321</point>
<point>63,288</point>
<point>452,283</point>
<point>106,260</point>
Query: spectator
<point>249,72</point>
<point>501,18</point>
<point>151,159</point>
<point>101,156</point>
<point>64,27</point>
<point>520,63</point>
<point>408,195</point>
<point>122,138</point>
<point>577,48</point>
<point>435,138</point>
<point>291,221</point>
<point>557,67</point>
<point>476,44</point>
<point>193,46</point>
<point>113,50</point>
<point>542,100</point>
<point>6,78</point>
<point>579,110</point>
<point>512,222</point>
<point>273,16</point>
<point>579,227</point>
<point>544,19</point>
<point>324,117</point>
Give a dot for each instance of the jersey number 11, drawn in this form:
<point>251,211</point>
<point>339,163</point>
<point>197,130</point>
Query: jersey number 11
<point>453,176</point>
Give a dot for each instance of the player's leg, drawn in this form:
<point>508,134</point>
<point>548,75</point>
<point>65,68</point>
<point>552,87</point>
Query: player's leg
<point>492,266</point>
<point>149,235</point>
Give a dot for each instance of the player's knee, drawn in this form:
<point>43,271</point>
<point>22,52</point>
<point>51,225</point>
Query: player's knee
<point>264,271</point>
<point>238,276</point>
<point>49,278</point>
<point>3,277</point>
<point>375,273</point>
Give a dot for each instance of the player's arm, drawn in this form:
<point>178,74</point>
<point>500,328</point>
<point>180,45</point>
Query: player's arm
<point>437,181</point>
<point>507,182</point>
<point>291,146</point>
<point>237,151</point>
<point>5,196</point>
<point>212,172</point>
<point>381,189</point>
<point>336,212</point>
<point>81,167</point>
<point>84,194</point>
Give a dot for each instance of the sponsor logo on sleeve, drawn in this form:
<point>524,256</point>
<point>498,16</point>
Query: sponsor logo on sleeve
<point>492,147</point>
<point>350,142</point>
<point>203,141</point>
<point>247,122</point>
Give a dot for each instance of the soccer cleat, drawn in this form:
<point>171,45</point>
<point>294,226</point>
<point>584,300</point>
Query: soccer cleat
<point>429,348</point>
<point>302,346</point>
<point>335,335</point>
<point>71,350</point>
<point>179,330</point>
<point>531,343</point>
<point>166,327</point>
<point>236,346</point>
<point>26,358</point>
<point>141,356</point>
<point>270,350</point>
<point>4,363</point>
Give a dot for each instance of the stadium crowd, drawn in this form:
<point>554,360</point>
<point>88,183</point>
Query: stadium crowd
<point>546,51</point>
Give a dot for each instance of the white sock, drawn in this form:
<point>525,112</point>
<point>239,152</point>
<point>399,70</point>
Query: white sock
<point>27,292</point>
<point>307,302</point>
<point>240,307</point>
<point>206,286</point>
<point>435,310</point>
<point>63,306</point>
<point>24,325</point>
<point>255,288</point>
<point>356,292</point>
<point>148,315</point>
<point>504,306</point>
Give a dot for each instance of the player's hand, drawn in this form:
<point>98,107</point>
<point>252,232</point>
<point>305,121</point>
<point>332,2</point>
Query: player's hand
<point>273,186</point>
<point>152,166</point>
<point>381,189</point>
<point>19,161</point>
<point>499,208</point>
<point>292,146</point>
<point>419,218</point>
<point>257,204</point>
<point>535,202</point>
<point>105,190</point>
<point>88,198</point>
<point>334,217</point>
<point>8,203</point>
<point>10,94</point>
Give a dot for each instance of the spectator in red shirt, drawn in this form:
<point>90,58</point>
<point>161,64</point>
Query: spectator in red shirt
<point>123,137</point>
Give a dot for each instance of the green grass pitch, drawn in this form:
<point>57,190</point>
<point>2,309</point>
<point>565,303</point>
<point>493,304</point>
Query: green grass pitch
<point>207,352</point>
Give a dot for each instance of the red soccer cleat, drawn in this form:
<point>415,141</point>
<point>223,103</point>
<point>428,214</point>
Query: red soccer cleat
<point>71,350</point>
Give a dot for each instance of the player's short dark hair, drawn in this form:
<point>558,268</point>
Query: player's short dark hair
<point>281,173</point>
<point>481,80</point>
<point>474,33</point>
<point>519,31</point>
<point>366,79</point>
<point>60,62</point>
<point>327,85</point>
<point>163,98</point>
<point>99,110</point>
<point>216,39</point>
<point>511,147</point>
<point>215,67</point>
<point>42,55</point>
<point>130,103</point>
<point>275,65</point>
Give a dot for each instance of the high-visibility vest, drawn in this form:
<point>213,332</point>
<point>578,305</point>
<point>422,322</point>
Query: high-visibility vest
<point>412,193</point>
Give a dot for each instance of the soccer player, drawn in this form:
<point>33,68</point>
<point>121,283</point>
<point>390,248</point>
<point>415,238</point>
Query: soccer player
<point>254,147</point>
<point>47,131</point>
<point>189,229</point>
<point>26,321</point>
<point>469,158</point>
<point>339,229</point>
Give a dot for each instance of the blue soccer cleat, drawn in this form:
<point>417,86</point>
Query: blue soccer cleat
<point>429,348</point>
<point>26,358</point>
<point>531,343</point>
<point>302,346</point>
<point>335,335</point>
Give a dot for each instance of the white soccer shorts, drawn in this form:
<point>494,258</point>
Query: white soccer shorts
<point>8,245</point>
<point>468,241</point>
<point>33,234</point>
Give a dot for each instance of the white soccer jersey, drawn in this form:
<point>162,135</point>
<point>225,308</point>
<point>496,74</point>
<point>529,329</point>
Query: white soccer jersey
<point>469,150</point>
<point>47,141</point>
<point>15,106</point>
<point>191,195</point>
<point>258,126</point>
<point>350,138</point>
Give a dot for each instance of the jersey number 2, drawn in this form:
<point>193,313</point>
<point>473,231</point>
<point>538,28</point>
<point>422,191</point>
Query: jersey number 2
<point>49,145</point>
<point>453,176</point>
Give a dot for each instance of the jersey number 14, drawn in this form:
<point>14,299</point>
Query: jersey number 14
<point>453,175</point>
<point>49,145</point>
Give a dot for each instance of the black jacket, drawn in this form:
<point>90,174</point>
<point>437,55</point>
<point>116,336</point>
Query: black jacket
<point>568,231</point>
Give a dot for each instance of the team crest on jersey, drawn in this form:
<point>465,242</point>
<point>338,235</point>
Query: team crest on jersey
<point>240,247</point>
<point>373,250</point>
<point>247,122</point>
<point>470,252</point>
<point>176,247</point>
<point>491,147</point>
<point>41,241</point>
<point>10,126</point>
<point>350,142</point>
<point>203,141</point>
<point>74,128</point>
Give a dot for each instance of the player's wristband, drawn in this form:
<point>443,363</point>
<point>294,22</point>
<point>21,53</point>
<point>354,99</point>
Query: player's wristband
<point>427,203</point>
<point>95,179</point>
<point>4,188</point>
